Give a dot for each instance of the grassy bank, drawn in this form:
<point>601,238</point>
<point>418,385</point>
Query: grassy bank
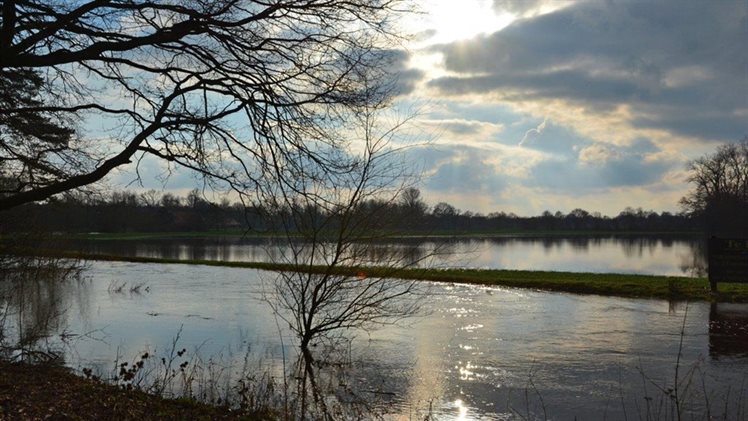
<point>125,236</point>
<point>49,391</point>
<point>621,285</point>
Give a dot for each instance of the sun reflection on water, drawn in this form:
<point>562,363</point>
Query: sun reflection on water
<point>462,410</point>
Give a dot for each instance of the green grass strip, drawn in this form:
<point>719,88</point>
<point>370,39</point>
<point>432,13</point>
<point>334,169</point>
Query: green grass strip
<point>609,284</point>
<point>468,234</point>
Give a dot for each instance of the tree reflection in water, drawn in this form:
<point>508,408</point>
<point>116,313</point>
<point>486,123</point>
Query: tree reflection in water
<point>695,263</point>
<point>35,293</point>
<point>728,330</point>
<point>657,255</point>
<point>328,384</point>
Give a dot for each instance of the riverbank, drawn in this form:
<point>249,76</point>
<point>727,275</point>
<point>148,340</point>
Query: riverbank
<point>36,392</point>
<point>610,284</point>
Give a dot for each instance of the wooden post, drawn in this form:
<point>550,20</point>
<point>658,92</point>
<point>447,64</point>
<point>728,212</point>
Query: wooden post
<point>728,261</point>
<point>711,244</point>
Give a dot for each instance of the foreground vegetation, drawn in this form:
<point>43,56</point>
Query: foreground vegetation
<point>612,284</point>
<point>51,391</point>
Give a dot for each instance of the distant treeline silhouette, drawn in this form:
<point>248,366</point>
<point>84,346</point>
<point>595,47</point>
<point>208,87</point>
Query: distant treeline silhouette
<point>152,211</point>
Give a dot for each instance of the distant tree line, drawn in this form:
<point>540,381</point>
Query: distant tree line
<point>445,218</point>
<point>152,211</point>
<point>125,211</point>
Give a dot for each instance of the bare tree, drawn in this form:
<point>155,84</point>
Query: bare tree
<point>445,210</point>
<point>413,206</point>
<point>151,198</point>
<point>233,89</point>
<point>411,198</point>
<point>720,189</point>
<point>334,223</point>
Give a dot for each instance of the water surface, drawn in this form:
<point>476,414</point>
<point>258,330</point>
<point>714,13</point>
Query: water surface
<point>668,255</point>
<point>473,353</point>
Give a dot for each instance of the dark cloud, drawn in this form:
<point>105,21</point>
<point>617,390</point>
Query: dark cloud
<point>681,65</point>
<point>406,81</point>
<point>395,65</point>
<point>697,123</point>
<point>561,84</point>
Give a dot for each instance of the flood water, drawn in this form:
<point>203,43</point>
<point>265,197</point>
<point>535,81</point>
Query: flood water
<point>472,353</point>
<point>667,255</point>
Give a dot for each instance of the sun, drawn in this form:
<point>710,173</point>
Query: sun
<point>446,21</point>
<point>456,20</point>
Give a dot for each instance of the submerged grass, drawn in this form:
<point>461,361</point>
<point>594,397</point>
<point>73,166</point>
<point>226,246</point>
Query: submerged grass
<point>612,284</point>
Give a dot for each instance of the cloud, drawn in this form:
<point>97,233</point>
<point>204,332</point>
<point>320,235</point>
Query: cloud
<point>424,35</point>
<point>603,166</point>
<point>561,170</point>
<point>560,161</point>
<point>533,200</point>
<point>514,6</point>
<point>528,7</point>
<point>598,153</point>
<point>473,169</point>
<point>153,173</point>
<point>402,78</point>
<point>698,123</point>
<point>468,170</point>
<point>463,129</point>
<point>678,66</point>
<point>533,133</point>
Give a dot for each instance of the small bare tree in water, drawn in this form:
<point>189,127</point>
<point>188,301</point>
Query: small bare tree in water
<point>334,223</point>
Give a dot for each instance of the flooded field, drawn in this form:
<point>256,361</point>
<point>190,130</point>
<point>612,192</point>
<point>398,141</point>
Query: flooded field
<point>470,353</point>
<point>684,256</point>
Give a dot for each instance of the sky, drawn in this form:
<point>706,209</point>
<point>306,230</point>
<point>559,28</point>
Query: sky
<point>540,105</point>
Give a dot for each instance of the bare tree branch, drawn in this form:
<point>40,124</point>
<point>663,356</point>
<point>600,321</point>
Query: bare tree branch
<point>230,87</point>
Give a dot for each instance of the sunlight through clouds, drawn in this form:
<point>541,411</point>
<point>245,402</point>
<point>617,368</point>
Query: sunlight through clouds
<point>455,20</point>
<point>589,83</point>
<point>546,104</point>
